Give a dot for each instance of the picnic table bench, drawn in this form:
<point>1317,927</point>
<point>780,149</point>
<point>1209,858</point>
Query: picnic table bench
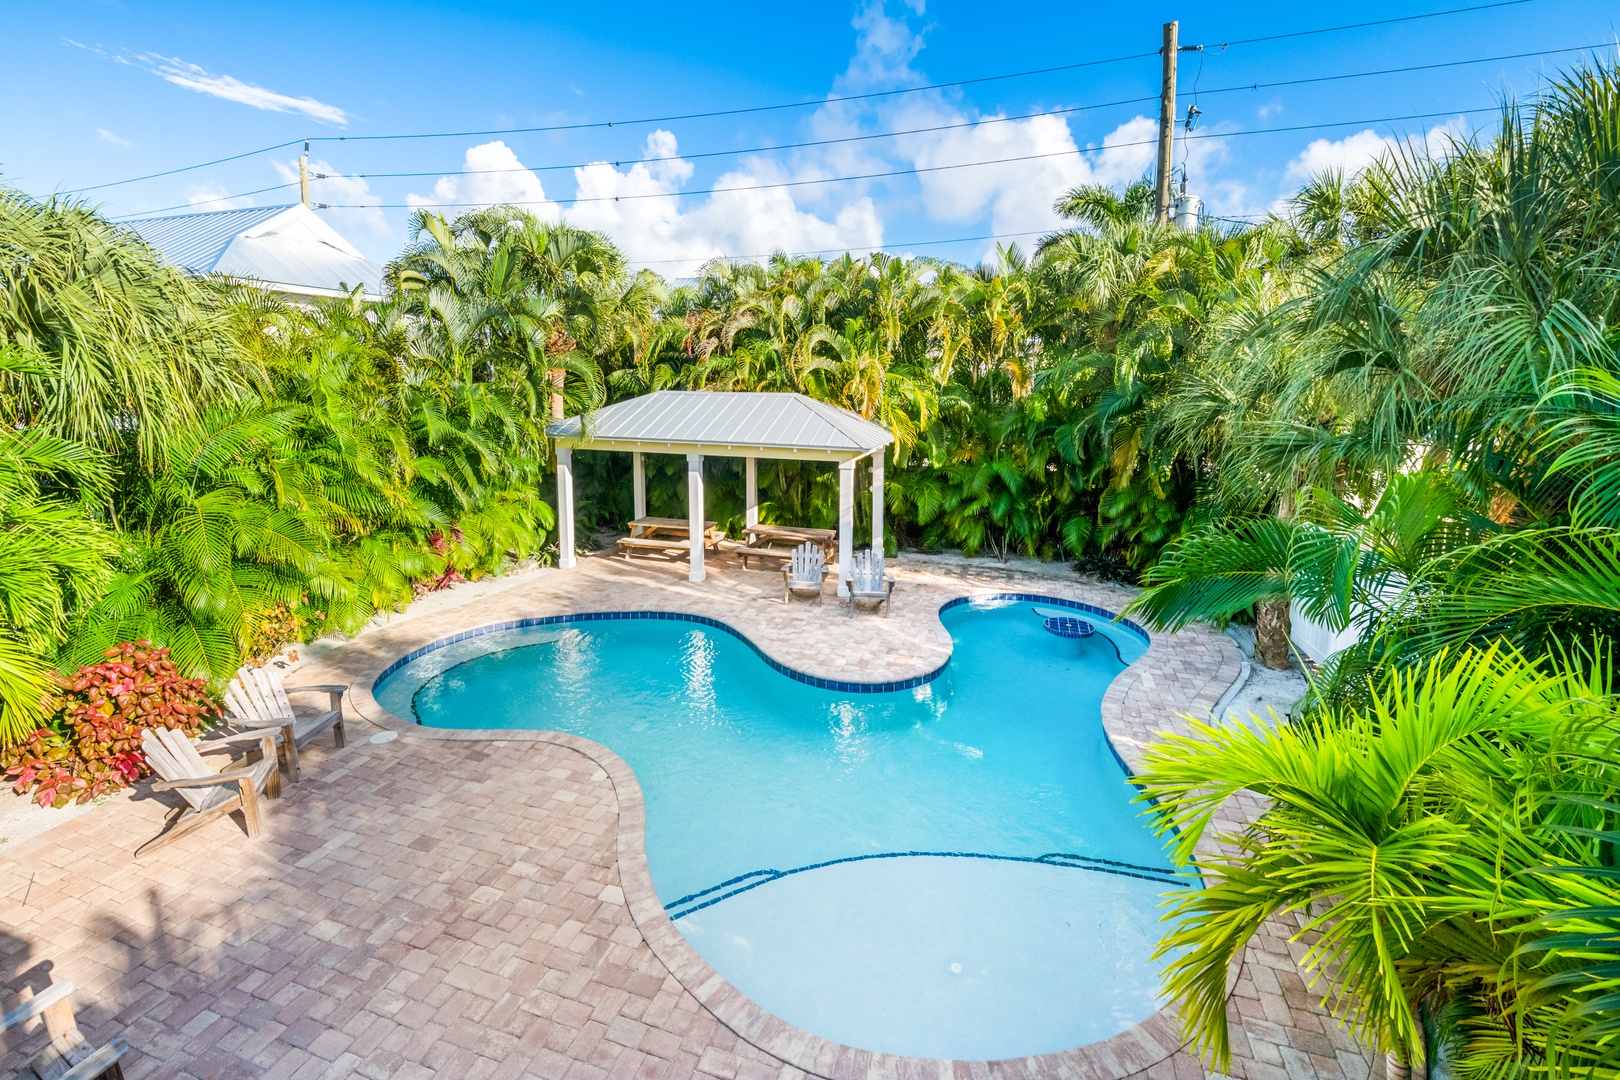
<point>667,534</point>
<point>776,542</point>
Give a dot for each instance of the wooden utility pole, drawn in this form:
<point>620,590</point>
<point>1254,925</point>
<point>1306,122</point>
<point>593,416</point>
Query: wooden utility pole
<point>303,175</point>
<point>1167,126</point>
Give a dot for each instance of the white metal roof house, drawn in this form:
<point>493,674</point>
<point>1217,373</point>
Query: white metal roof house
<point>287,248</point>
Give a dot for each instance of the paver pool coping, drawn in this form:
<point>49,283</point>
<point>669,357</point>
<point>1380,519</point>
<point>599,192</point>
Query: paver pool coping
<point>1132,1051</point>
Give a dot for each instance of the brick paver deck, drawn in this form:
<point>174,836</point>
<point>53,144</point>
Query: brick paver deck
<point>477,904</point>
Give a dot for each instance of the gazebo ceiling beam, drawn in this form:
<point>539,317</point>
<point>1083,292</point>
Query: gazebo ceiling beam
<point>777,453</point>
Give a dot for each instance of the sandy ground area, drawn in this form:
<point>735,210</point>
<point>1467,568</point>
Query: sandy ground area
<point>1264,691</point>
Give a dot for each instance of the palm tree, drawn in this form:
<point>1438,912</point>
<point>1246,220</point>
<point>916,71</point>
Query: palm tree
<point>53,556</point>
<point>132,348</point>
<point>1332,561</point>
<point>1405,837</point>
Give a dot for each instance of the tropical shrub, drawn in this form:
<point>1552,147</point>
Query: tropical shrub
<point>1443,846</point>
<point>93,746</point>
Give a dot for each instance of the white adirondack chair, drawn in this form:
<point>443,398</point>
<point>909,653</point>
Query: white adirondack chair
<point>803,572</point>
<point>209,793</point>
<point>69,1055</point>
<point>257,699</point>
<point>869,585</point>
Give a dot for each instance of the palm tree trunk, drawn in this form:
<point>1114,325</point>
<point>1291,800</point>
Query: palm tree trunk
<point>1271,645</point>
<point>1395,1068</point>
<point>556,393</point>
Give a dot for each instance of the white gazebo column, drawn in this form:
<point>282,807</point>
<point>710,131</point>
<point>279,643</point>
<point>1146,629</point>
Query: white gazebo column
<point>565,508</point>
<point>694,514</point>
<point>846,524</point>
<point>638,483</point>
<point>877,504</point>
<point>751,491</point>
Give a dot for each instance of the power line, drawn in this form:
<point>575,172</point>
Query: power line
<point>1364,25</point>
<point>1408,68</point>
<point>1065,111</point>
<point>199,202</point>
<point>183,168</point>
<point>835,179</point>
<point>819,180</point>
<point>733,112</point>
<point>1069,110</point>
<point>842,250</point>
<point>890,93</point>
<point>635,196</point>
<point>792,105</point>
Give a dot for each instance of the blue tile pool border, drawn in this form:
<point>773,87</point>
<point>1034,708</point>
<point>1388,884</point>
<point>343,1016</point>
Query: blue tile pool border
<point>837,685</point>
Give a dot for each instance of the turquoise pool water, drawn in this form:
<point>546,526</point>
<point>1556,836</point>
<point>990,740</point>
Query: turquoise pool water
<point>956,870</point>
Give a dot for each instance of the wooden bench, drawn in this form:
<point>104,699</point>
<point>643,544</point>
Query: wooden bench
<point>777,543</point>
<point>670,544</point>
<point>627,544</point>
<point>779,555</point>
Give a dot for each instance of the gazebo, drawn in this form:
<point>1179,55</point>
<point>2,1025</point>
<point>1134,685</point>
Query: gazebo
<point>701,424</point>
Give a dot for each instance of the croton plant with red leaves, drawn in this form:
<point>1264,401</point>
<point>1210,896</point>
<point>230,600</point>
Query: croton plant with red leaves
<point>93,746</point>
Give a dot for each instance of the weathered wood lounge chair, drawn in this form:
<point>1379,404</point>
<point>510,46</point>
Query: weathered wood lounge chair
<point>869,585</point>
<point>803,573</point>
<point>208,792</point>
<point>257,699</point>
<point>69,1055</point>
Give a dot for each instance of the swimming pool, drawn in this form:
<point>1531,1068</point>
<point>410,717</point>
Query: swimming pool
<point>953,870</point>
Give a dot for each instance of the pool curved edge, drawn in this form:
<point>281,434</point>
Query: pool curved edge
<point>842,686</point>
<point>1126,1054</point>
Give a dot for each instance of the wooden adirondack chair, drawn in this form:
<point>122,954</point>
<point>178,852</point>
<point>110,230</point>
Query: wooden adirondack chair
<point>803,572</point>
<point>69,1056</point>
<point>208,792</point>
<point>869,585</point>
<point>257,700</point>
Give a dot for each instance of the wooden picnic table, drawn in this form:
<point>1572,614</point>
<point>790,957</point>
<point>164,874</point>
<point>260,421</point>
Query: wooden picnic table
<point>778,541</point>
<point>667,534</point>
<point>794,534</point>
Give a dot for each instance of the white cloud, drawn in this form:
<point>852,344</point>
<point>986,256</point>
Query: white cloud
<point>1018,194</point>
<point>755,216</point>
<point>108,137</point>
<point>1348,155</point>
<point>1353,153</point>
<point>492,175</point>
<point>884,50</point>
<point>210,196</point>
<point>202,81</point>
<point>641,208</point>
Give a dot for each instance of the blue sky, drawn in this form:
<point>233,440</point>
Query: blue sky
<point>116,90</point>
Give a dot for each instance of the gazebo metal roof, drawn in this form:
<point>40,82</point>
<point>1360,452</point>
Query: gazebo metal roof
<point>724,424</point>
